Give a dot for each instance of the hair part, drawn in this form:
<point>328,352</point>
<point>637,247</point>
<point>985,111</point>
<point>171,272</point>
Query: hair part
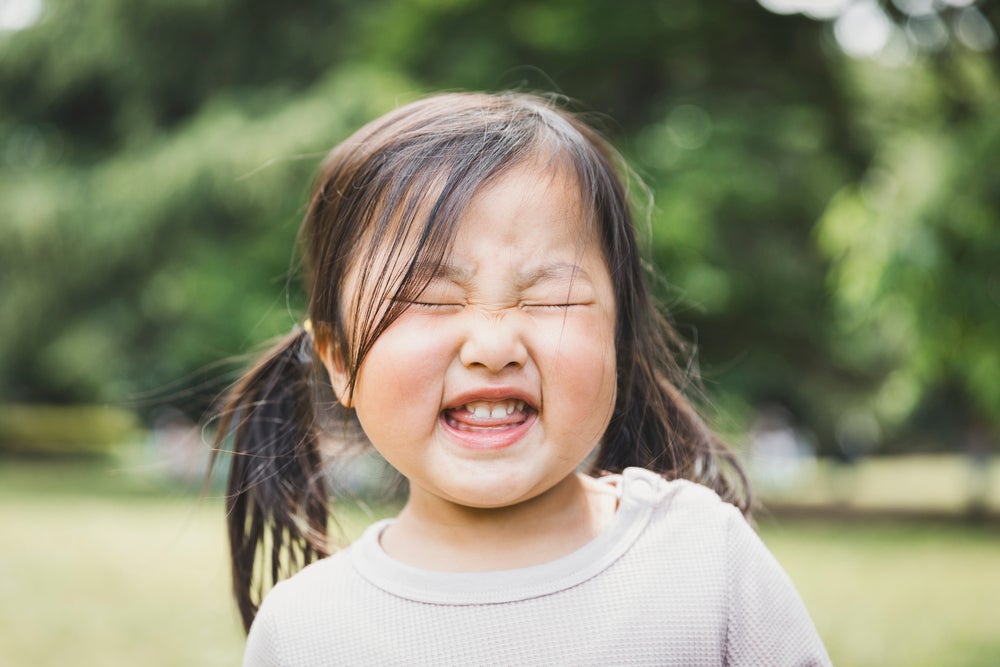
<point>396,190</point>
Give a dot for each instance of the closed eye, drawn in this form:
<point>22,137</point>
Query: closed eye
<point>428,305</point>
<point>551,306</point>
<point>435,305</point>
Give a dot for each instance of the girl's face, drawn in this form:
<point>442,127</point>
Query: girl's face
<point>495,384</point>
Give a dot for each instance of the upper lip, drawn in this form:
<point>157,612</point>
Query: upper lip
<point>493,393</point>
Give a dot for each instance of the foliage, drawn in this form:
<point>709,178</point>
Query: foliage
<point>155,159</point>
<point>915,243</point>
<point>140,270</point>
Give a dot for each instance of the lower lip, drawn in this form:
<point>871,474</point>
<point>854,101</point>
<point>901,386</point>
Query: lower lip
<point>488,439</point>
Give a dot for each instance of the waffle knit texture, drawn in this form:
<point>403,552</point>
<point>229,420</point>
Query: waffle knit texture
<point>677,577</point>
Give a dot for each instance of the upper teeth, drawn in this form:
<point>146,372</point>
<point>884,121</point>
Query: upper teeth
<point>496,410</point>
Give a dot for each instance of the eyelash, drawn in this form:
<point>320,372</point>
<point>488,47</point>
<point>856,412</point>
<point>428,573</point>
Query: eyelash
<point>425,305</point>
<point>433,306</point>
<point>550,306</point>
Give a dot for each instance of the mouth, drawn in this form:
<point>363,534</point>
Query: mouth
<point>480,415</point>
<point>489,424</point>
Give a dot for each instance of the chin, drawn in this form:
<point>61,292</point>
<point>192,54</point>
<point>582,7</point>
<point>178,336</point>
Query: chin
<point>498,491</point>
<point>486,497</point>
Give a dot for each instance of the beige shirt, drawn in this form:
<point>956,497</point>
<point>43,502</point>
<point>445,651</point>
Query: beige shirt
<point>676,578</point>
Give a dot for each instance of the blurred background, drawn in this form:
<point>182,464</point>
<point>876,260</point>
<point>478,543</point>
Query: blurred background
<point>826,227</point>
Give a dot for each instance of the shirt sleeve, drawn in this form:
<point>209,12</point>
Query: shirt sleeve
<point>262,641</point>
<point>767,621</point>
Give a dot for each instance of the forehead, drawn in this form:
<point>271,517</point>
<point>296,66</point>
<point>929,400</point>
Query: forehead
<point>538,200</point>
<point>527,187</point>
<point>423,224</point>
<point>532,208</point>
<point>528,225</point>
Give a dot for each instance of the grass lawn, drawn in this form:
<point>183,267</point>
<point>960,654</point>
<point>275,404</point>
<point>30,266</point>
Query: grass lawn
<point>108,568</point>
<point>105,567</point>
<point>896,594</point>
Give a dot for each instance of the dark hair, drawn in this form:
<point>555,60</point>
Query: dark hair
<point>406,177</point>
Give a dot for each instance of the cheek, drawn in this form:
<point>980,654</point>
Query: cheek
<point>399,384</point>
<point>581,376</point>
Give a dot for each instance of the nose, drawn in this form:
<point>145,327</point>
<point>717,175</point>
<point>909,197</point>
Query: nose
<point>493,341</point>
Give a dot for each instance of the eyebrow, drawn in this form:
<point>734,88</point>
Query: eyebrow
<point>563,272</point>
<point>432,271</point>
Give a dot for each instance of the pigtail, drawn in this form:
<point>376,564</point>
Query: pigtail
<point>277,497</point>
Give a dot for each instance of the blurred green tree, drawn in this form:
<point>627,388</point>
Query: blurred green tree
<point>156,158</point>
<point>915,241</point>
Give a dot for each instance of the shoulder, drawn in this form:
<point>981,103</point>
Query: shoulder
<point>299,598</point>
<point>691,531</point>
<point>679,499</point>
<point>316,580</point>
<point>285,628</point>
<point>686,532</point>
<point>706,547</point>
<point>687,513</point>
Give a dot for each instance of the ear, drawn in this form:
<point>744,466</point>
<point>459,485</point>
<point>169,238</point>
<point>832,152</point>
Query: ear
<point>333,361</point>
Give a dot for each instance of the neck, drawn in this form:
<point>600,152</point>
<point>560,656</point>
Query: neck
<point>434,534</point>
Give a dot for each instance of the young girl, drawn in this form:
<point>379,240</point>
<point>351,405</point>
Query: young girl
<point>478,304</point>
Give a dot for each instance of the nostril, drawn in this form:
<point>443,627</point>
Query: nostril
<point>493,348</point>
